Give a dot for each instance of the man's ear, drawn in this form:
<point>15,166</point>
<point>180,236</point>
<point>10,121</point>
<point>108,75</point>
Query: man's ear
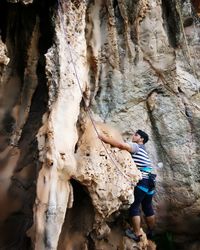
<point>142,140</point>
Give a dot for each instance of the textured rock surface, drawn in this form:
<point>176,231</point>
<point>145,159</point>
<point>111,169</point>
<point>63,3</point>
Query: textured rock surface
<point>67,66</point>
<point>105,171</point>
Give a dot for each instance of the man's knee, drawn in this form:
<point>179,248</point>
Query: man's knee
<point>135,207</point>
<point>134,211</point>
<point>148,210</point>
<point>147,207</point>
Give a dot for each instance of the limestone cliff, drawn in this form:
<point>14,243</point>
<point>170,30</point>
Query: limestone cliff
<point>71,68</point>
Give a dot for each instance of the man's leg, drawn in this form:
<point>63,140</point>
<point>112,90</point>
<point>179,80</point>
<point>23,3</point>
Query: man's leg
<point>149,214</point>
<point>150,220</point>
<point>135,210</point>
<point>136,224</point>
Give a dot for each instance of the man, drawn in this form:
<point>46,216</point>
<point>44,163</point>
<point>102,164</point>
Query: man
<point>144,190</point>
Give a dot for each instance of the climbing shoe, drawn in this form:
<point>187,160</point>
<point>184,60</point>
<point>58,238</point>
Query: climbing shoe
<point>129,233</point>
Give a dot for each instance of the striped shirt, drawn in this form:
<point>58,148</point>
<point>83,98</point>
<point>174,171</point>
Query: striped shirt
<point>141,159</point>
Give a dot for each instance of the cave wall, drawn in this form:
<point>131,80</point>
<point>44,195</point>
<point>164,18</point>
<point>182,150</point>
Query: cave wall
<point>69,69</point>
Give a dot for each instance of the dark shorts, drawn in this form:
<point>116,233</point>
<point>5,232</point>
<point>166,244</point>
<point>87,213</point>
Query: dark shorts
<point>145,200</point>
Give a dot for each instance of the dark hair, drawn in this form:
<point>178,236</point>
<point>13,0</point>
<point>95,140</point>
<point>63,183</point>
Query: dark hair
<point>143,135</point>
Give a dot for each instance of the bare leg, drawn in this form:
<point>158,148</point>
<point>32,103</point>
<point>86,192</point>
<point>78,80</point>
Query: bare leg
<point>136,225</point>
<point>150,220</point>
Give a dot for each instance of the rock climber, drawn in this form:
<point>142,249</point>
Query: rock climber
<point>145,188</point>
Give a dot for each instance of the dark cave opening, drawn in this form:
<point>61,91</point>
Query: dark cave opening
<point>8,231</point>
<point>17,22</point>
<point>3,23</point>
<point>40,97</point>
<point>172,24</point>
<point>78,220</point>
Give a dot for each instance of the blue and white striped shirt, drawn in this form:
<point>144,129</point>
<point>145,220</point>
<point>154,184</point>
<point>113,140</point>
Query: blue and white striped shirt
<point>141,159</point>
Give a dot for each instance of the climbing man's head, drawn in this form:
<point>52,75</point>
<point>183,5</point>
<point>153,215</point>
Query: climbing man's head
<point>140,137</point>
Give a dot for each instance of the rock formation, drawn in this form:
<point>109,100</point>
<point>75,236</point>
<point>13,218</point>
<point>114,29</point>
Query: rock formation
<point>69,69</point>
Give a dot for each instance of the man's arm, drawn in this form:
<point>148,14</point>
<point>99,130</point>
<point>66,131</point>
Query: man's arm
<point>115,143</point>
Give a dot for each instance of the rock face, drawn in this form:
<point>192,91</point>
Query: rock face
<point>69,69</point>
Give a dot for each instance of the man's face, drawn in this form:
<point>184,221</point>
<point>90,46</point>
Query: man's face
<point>137,138</point>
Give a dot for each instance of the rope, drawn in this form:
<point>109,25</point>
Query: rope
<point>88,111</point>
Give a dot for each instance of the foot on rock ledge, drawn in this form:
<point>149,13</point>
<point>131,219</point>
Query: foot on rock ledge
<point>129,233</point>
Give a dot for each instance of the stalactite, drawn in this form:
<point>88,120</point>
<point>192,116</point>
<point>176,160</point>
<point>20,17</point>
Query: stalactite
<point>94,38</point>
<point>112,50</point>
